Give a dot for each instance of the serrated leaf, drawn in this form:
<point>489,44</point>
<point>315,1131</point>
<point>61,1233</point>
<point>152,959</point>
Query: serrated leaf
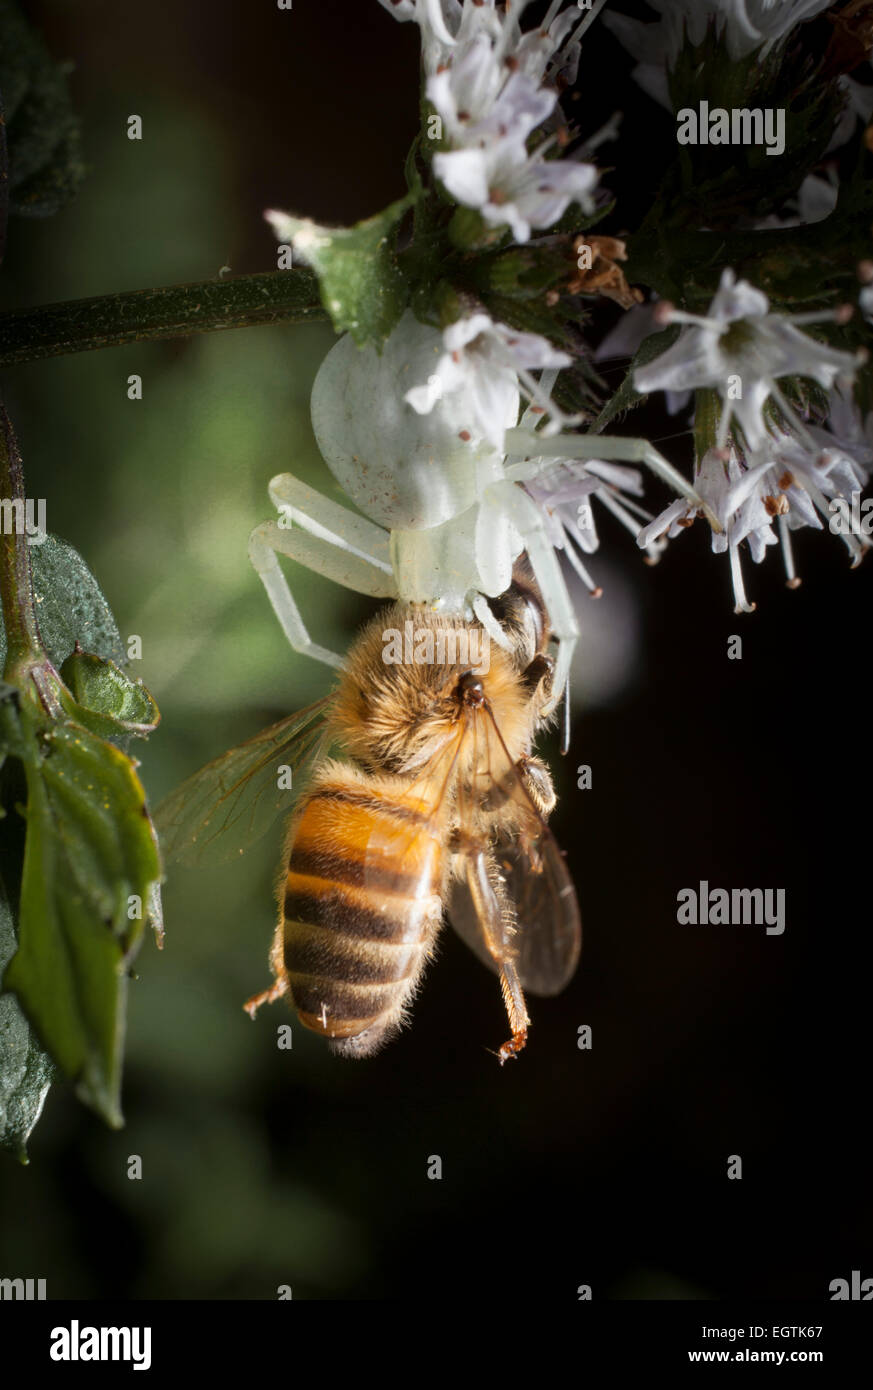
<point>90,855</point>
<point>42,132</point>
<point>626,397</point>
<point>108,702</point>
<point>26,1070</point>
<point>362,287</point>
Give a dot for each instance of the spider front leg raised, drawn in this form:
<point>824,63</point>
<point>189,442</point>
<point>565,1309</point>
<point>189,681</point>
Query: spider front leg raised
<point>323,537</point>
<point>525,443</point>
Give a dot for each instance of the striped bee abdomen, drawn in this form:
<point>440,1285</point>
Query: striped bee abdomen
<point>362,906</point>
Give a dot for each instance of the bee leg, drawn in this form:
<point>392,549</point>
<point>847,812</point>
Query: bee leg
<point>496,920</point>
<point>513,999</point>
<point>513,1046</point>
<point>267,996</point>
<point>540,670</point>
<point>537,781</point>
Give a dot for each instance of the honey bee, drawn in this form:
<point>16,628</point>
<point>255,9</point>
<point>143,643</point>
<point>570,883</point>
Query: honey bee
<point>436,803</point>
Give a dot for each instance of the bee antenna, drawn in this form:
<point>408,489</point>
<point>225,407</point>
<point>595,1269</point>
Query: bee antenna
<point>514,765</point>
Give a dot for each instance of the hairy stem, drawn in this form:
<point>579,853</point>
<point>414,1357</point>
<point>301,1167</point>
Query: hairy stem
<point>16,593</point>
<point>278,296</point>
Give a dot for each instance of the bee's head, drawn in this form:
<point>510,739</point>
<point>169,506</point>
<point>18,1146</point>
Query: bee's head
<point>413,678</point>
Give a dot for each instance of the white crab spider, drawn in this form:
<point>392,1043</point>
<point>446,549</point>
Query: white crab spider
<point>445,516</point>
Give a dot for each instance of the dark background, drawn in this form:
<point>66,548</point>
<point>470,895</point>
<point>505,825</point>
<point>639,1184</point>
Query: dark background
<point>263,1167</point>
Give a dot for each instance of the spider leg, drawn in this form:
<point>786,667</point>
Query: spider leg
<point>301,505</point>
<point>521,443</point>
<point>323,537</point>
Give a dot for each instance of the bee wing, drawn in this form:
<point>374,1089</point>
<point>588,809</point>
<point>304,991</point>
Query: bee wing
<point>230,803</point>
<point>548,927</point>
<point>548,937</point>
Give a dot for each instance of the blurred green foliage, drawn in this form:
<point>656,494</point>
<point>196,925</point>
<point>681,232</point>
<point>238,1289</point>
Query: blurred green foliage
<point>263,1167</point>
<point>26,1073</point>
<point>42,132</point>
<point>68,863</point>
<point>159,495</point>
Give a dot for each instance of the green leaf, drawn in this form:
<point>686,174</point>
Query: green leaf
<point>44,144</point>
<point>362,287</point>
<point>626,397</point>
<point>69,605</point>
<point>72,859</point>
<point>90,857</point>
<point>107,701</point>
<point>26,1072</point>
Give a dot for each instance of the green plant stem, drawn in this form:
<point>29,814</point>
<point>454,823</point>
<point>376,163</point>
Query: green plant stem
<point>707,414</point>
<point>16,591</point>
<point>278,296</point>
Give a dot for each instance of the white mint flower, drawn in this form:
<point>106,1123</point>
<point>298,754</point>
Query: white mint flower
<point>746,25</point>
<point>655,46</point>
<point>484,78</point>
<point>511,188</point>
<point>741,517</point>
<point>859,107</point>
<point>564,490</point>
<point>785,482</point>
<point>438,20</point>
<point>815,200</point>
<point>750,24</point>
<point>479,99</point>
<point>548,51</point>
<point>798,485</point>
<point>624,339</point>
<point>847,429</point>
<point>712,485</point>
<point>483,365</point>
<point>817,197</point>
<point>741,350</point>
